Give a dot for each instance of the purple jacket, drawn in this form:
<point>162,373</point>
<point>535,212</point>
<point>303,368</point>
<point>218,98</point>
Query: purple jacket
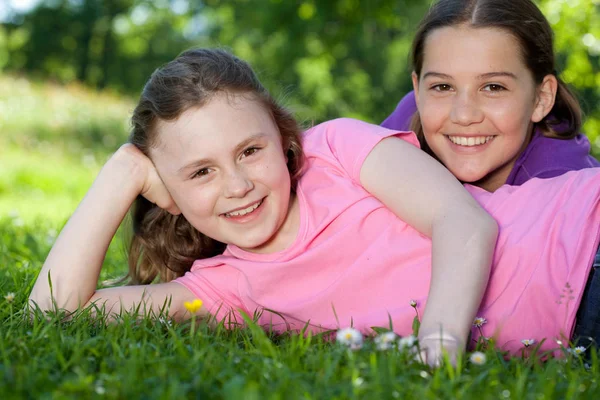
<point>543,158</point>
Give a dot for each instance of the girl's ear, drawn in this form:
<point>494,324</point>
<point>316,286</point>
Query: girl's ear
<point>545,98</point>
<point>415,82</point>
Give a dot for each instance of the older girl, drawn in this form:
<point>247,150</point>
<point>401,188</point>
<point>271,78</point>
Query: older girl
<point>491,106</point>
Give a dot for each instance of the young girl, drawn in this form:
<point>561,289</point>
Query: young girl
<point>490,105</point>
<point>329,232</point>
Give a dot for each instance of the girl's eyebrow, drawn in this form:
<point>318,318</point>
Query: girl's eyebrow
<point>247,141</point>
<point>488,75</point>
<point>432,74</point>
<point>497,74</point>
<point>237,149</point>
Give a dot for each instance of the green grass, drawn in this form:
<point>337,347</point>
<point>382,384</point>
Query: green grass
<point>41,115</point>
<point>43,185</point>
<point>144,358</point>
<point>53,141</point>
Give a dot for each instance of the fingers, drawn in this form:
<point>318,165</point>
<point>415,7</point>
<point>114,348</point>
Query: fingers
<point>156,192</point>
<point>152,186</point>
<point>433,349</point>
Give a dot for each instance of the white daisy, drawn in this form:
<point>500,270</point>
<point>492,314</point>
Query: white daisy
<point>577,351</point>
<point>478,358</point>
<point>407,341</point>
<point>350,337</point>
<point>528,342</point>
<point>385,341</point>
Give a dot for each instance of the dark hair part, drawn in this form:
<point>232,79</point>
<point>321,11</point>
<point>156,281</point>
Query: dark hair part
<point>524,20</point>
<point>164,246</point>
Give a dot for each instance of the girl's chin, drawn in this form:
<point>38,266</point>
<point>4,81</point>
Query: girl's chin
<point>467,177</point>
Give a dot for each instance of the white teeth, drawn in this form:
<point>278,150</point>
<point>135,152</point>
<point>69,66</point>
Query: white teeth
<point>245,211</point>
<point>470,141</point>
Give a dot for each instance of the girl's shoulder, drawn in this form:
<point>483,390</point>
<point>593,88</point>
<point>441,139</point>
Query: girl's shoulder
<point>548,157</point>
<point>345,143</point>
<point>349,131</point>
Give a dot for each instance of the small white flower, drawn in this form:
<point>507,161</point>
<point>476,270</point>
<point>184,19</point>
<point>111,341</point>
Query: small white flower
<point>385,341</point>
<point>577,351</point>
<point>478,358</point>
<point>413,303</point>
<point>479,322</point>
<point>350,337</point>
<point>528,342</point>
<point>358,382</point>
<point>10,297</point>
<point>100,389</point>
<point>407,342</point>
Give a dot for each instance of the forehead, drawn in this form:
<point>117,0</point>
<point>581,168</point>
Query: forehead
<point>468,49</point>
<point>212,129</point>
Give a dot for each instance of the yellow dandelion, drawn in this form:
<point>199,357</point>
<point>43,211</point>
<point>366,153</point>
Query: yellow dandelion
<point>193,306</point>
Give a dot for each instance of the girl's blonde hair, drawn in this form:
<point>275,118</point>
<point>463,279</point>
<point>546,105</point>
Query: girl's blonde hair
<point>522,19</point>
<point>164,246</point>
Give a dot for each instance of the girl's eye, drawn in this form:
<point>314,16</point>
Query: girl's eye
<point>494,87</point>
<point>442,87</point>
<point>200,173</point>
<point>249,151</point>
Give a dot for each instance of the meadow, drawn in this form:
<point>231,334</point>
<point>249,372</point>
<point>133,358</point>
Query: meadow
<point>53,141</point>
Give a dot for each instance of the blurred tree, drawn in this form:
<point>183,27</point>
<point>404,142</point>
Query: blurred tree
<point>327,58</point>
<point>343,57</point>
<point>576,25</point>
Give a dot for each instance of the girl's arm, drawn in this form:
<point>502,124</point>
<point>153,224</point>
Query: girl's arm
<point>75,260</point>
<point>428,197</point>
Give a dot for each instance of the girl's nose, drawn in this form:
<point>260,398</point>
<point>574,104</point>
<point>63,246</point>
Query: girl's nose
<point>237,184</point>
<point>465,110</point>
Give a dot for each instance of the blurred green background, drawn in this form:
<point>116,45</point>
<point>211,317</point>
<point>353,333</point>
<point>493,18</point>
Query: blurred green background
<point>70,71</point>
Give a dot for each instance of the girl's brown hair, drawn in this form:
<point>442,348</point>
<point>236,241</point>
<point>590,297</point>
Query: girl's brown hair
<point>164,246</point>
<point>524,20</point>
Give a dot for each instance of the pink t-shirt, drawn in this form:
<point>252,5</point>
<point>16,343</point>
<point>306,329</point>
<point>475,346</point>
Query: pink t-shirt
<point>355,263</point>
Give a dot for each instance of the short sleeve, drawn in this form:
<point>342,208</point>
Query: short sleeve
<point>349,141</point>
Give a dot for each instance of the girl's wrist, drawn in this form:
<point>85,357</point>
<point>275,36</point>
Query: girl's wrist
<point>127,166</point>
<point>440,333</point>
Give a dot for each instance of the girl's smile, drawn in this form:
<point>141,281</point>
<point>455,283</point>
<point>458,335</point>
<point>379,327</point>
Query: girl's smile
<point>245,213</point>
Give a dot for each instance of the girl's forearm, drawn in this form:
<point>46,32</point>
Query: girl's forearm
<point>75,261</point>
<point>463,244</point>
